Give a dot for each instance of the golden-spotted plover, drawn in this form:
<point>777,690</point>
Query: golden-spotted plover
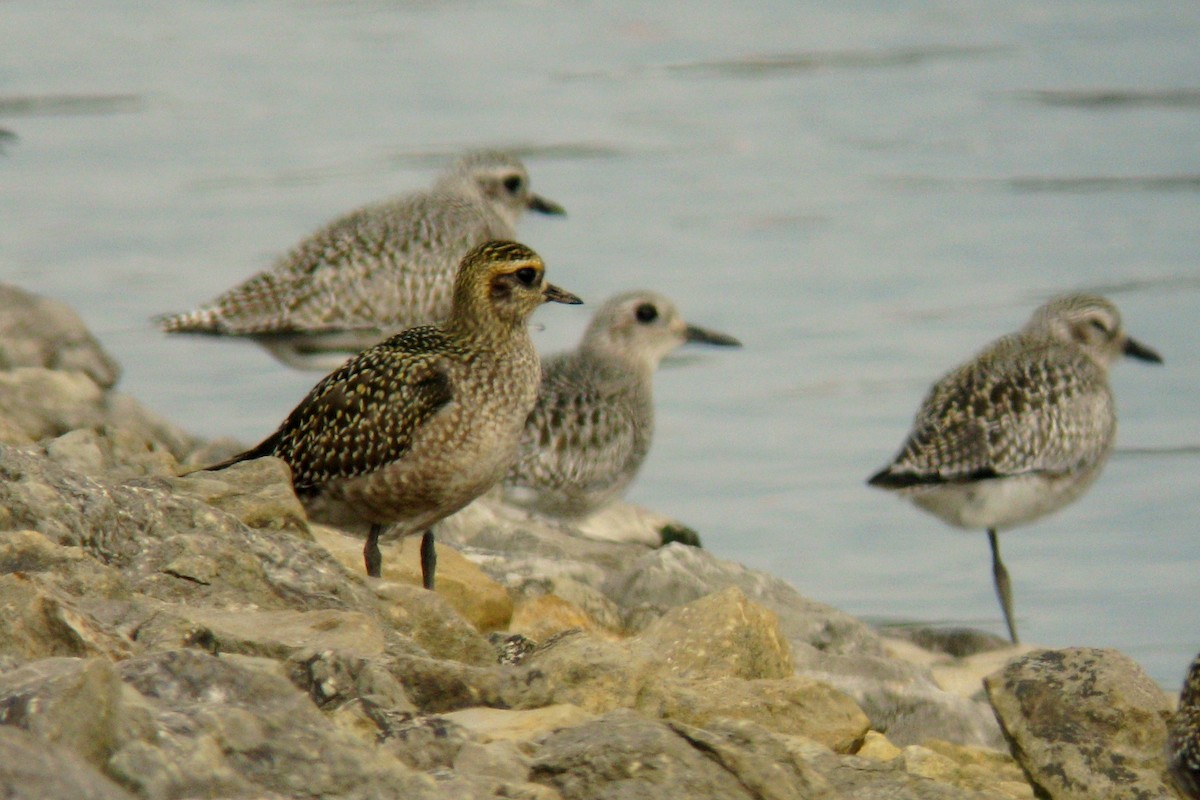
<point>414,428</point>
<point>376,271</point>
<point>1020,430</point>
<point>1183,736</point>
<point>591,428</point>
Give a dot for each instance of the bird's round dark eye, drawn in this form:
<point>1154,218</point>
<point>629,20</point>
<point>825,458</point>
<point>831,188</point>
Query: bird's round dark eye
<point>527,275</point>
<point>513,184</point>
<point>646,312</point>
<point>1098,325</point>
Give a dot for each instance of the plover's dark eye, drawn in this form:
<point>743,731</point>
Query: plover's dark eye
<point>1100,326</point>
<point>646,312</point>
<point>527,275</point>
<point>513,184</point>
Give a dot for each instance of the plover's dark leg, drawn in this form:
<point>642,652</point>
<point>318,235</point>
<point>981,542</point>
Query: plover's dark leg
<point>428,559</point>
<point>1003,586</point>
<point>371,554</point>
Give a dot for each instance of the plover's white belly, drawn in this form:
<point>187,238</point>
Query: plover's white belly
<point>1000,502</point>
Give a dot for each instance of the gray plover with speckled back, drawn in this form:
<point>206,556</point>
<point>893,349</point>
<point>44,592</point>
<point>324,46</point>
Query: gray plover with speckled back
<point>590,431</point>
<point>1020,430</point>
<point>375,271</point>
<point>1183,736</point>
<point>411,430</point>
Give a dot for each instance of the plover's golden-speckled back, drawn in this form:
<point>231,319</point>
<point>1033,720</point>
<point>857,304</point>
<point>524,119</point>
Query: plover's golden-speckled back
<point>1020,430</point>
<point>591,428</point>
<point>414,428</point>
<point>1183,736</point>
<point>378,270</point>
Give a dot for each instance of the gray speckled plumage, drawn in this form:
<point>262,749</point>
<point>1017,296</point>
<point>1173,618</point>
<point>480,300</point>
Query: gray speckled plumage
<point>1183,736</point>
<point>1021,429</point>
<point>415,427</point>
<point>591,429</point>
<point>377,270</point>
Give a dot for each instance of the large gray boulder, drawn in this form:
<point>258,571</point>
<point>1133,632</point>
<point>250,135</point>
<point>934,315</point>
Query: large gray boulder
<point>1084,723</point>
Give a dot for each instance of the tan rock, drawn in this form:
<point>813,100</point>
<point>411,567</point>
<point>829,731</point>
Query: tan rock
<point>45,403</point>
<point>793,705</point>
<point>480,600</point>
<point>969,771</point>
<point>258,492</point>
<point>541,617</point>
<point>353,718</point>
<point>977,768</point>
<point>496,724</point>
<point>279,634</point>
<point>37,621</point>
<point>876,747</point>
<point>429,620</point>
<point>721,634</point>
<point>589,671</point>
<point>68,701</point>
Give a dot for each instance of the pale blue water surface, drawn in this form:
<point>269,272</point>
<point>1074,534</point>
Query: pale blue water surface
<point>864,192</point>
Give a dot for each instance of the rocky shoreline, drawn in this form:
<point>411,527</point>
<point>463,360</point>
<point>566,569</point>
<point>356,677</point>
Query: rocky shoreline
<point>186,637</point>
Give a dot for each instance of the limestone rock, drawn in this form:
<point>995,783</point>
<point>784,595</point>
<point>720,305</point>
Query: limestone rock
<point>69,701</point>
<point>40,620</point>
<point>432,623</point>
<point>723,634</point>
<point>1084,723</point>
<point>793,705</point>
<point>32,768</point>
<point>258,492</point>
<point>902,698</point>
<point>333,679</point>
<point>622,755</point>
<point>44,403</point>
<point>508,725</point>
<point>591,672</point>
<point>675,575</point>
<point>224,730</point>
<point>41,332</point>
<point>542,617</point>
<point>460,583</point>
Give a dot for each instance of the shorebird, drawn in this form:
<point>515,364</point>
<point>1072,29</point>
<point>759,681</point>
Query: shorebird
<point>1020,430</point>
<point>1183,736</point>
<point>411,430</point>
<point>375,271</point>
<point>591,428</point>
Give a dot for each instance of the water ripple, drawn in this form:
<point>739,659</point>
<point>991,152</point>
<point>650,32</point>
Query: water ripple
<point>69,104</point>
<point>1115,98</point>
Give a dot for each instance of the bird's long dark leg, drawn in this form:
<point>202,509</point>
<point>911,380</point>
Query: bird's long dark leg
<point>428,559</point>
<point>371,555</point>
<point>1003,587</point>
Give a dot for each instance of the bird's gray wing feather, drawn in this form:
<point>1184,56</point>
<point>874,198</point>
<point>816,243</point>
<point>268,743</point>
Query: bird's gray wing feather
<point>387,266</point>
<point>1009,412</point>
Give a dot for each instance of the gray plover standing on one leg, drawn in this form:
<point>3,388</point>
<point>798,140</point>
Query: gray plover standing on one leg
<point>1183,736</point>
<point>1020,430</point>
<point>591,428</point>
<point>375,271</point>
<point>411,430</point>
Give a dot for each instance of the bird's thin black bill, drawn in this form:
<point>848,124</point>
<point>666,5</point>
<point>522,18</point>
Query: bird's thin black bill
<point>544,206</point>
<point>554,294</point>
<point>695,334</point>
<point>1136,349</point>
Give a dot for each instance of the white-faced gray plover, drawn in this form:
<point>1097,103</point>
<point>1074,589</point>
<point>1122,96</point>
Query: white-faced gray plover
<point>375,271</point>
<point>411,430</point>
<point>1020,430</point>
<point>591,428</point>
<point>1183,736</point>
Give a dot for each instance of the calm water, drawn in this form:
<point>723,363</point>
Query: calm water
<point>865,193</point>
